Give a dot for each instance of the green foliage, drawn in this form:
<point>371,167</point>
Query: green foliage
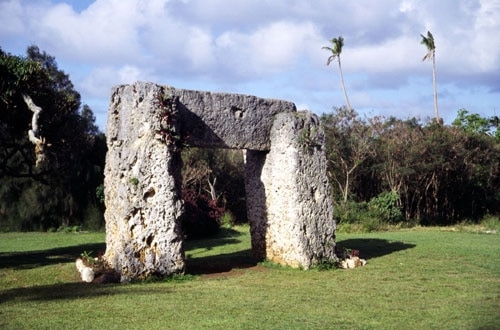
<point>473,123</point>
<point>217,174</point>
<point>386,207</point>
<point>228,219</point>
<point>87,258</point>
<point>349,146</point>
<point>213,190</point>
<point>491,223</point>
<point>326,264</point>
<point>99,193</point>
<point>308,137</point>
<point>350,212</point>
<point>68,229</point>
<point>438,174</point>
<point>59,191</point>
<point>428,42</point>
<point>93,218</point>
<point>353,217</point>
<point>99,266</point>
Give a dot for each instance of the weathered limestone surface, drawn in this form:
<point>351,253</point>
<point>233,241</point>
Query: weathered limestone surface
<point>142,187</point>
<point>288,196</point>
<point>222,120</point>
<point>290,207</point>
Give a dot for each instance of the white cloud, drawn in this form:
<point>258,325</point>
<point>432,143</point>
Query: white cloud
<point>199,49</point>
<point>11,13</point>
<point>270,47</point>
<point>485,55</point>
<point>266,50</point>
<point>104,32</point>
<point>99,81</point>
<point>394,55</point>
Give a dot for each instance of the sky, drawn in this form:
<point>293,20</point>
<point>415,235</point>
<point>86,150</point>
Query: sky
<point>272,49</point>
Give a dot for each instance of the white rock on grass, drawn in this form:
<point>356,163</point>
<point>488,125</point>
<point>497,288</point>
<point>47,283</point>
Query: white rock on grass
<point>86,273</point>
<point>79,264</point>
<point>352,263</point>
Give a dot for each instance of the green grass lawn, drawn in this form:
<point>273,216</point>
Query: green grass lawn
<point>414,279</point>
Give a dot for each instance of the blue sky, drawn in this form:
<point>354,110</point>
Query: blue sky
<point>272,49</point>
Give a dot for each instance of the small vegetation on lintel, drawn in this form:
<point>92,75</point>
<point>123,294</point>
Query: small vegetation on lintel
<point>167,117</point>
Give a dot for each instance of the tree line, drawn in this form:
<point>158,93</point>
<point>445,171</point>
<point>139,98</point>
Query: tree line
<point>399,171</point>
<point>413,171</point>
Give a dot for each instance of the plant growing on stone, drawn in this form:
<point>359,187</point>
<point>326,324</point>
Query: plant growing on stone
<point>168,114</point>
<point>307,138</point>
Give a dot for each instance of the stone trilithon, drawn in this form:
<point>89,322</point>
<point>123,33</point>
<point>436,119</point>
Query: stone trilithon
<point>289,204</point>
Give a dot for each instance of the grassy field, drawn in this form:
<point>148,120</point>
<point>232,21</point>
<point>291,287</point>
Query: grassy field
<point>415,279</point>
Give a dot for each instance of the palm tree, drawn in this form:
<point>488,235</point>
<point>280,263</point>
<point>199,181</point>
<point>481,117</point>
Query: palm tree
<point>431,54</point>
<point>336,49</point>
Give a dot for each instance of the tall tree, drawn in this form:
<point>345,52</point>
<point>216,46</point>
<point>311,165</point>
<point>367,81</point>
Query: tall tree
<point>336,50</point>
<point>349,143</point>
<point>431,55</point>
<point>38,104</point>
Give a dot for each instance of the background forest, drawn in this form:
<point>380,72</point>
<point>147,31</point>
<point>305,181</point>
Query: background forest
<point>382,170</point>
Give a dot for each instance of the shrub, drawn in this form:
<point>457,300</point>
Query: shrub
<point>491,223</point>
<point>93,218</point>
<point>228,219</point>
<point>350,212</point>
<point>386,207</point>
<point>201,215</point>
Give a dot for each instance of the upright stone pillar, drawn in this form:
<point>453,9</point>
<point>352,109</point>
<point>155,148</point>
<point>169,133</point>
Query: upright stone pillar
<point>296,226</point>
<point>256,201</point>
<point>142,183</point>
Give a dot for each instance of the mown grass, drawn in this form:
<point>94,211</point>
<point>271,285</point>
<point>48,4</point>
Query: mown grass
<point>415,279</point>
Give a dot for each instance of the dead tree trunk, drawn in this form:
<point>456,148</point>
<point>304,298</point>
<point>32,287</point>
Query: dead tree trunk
<point>34,132</point>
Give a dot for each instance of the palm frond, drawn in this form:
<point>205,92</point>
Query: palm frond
<point>330,59</point>
<point>428,41</point>
<point>427,56</point>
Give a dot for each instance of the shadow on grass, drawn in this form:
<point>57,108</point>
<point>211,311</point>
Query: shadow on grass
<point>224,237</point>
<point>58,292</point>
<point>77,290</point>
<point>33,259</point>
<point>373,247</point>
<point>220,263</point>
